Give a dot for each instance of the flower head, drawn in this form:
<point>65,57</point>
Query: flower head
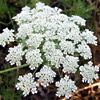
<point>48,38</point>
<point>15,55</point>
<point>33,57</point>
<point>26,84</point>
<point>46,75</point>
<point>6,37</point>
<point>71,64</point>
<point>88,71</point>
<point>65,87</point>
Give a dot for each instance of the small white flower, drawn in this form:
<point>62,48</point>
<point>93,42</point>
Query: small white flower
<point>33,57</point>
<point>88,71</point>
<point>65,87</point>
<point>89,37</point>
<point>46,75</point>
<point>26,84</point>
<point>6,37</point>
<point>24,16</point>
<point>34,40</point>
<point>74,36</point>
<point>62,36</point>
<point>78,20</point>
<point>39,5</point>
<point>26,8</point>
<point>56,58</point>
<point>49,47</point>
<point>15,55</point>
<point>24,30</point>
<point>49,35</point>
<point>39,24</point>
<point>67,46</point>
<point>71,64</point>
<point>84,50</point>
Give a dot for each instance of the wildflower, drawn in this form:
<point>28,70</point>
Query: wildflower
<point>67,46</point>
<point>49,47</point>
<point>56,58</point>
<point>89,37</point>
<point>49,38</point>
<point>6,37</point>
<point>88,71</point>
<point>26,84</point>
<point>84,50</point>
<point>34,40</point>
<point>46,75</point>
<point>23,31</point>
<point>33,57</point>
<point>15,55</point>
<point>71,64</point>
<point>78,20</point>
<point>65,87</point>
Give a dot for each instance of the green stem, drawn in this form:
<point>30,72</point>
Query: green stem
<point>11,21</point>
<point>3,23</point>
<point>6,23</point>
<point>59,73</point>
<point>10,69</point>
<point>35,71</point>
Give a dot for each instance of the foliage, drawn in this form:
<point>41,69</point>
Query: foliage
<point>80,8</point>
<point>7,90</point>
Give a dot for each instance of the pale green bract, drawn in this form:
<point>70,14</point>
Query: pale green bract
<point>50,39</point>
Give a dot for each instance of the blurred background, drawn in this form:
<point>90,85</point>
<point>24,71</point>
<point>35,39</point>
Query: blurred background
<point>87,9</point>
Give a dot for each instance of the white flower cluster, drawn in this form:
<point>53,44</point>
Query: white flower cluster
<point>46,75</point>
<point>15,55</point>
<point>88,71</point>
<point>6,37</point>
<point>89,37</point>
<point>24,30</point>
<point>27,84</point>
<point>84,50</point>
<point>48,47</point>
<point>78,20</point>
<point>49,38</point>
<point>24,16</point>
<point>56,58</point>
<point>34,40</point>
<point>65,87</point>
<point>71,64</point>
<point>33,57</point>
<point>67,46</point>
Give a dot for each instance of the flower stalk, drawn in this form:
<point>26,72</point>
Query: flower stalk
<point>14,68</point>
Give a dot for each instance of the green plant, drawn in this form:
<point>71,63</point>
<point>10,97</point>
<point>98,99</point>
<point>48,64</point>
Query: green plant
<point>7,88</point>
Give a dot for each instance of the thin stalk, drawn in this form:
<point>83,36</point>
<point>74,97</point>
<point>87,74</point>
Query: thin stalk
<point>3,23</point>
<point>11,21</point>
<point>14,68</point>
<point>59,73</point>
<point>35,71</point>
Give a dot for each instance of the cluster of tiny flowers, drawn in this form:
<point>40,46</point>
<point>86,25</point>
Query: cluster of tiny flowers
<point>65,87</point>
<point>88,71</point>
<point>78,20</point>
<point>71,64</point>
<point>27,84</point>
<point>46,75</point>
<point>15,55</point>
<point>89,37</point>
<point>6,37</point>
<point>33,57</point>
<point>84,50</point>
<point>52,40</point>
<point>67,46</point>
